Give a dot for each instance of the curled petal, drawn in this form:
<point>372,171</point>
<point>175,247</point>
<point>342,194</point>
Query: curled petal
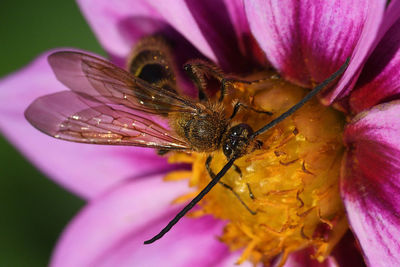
<point>379,80</point>
<point>370,182</point>
<point>308,40</point>
<point>347,252</point>
<point>84,169</point>
<point>303,258</point>
<point>214,20</point>
<point>237,16</point>
<point>110,231</point>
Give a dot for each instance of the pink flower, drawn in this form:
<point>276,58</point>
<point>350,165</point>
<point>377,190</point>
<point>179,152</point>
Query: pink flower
<point>305,41</point>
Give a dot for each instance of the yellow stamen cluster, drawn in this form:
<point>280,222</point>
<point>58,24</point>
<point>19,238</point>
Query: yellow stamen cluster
<point>291,183</point>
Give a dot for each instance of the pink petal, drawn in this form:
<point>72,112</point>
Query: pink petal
<point>85,169</point>
<point>106,18</point>
<point>309,40</point>
<point>206,24</point>
<point>110,231</point>
<point>371,33</point>
<point>379,80</point>
<point>370,182</point>
<point>110,19</point>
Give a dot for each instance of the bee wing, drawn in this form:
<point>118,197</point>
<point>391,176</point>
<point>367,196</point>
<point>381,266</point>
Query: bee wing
<point>109,84</point>
<point>69,116</point>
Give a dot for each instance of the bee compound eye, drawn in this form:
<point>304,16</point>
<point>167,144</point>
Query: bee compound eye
<point>227,150</point>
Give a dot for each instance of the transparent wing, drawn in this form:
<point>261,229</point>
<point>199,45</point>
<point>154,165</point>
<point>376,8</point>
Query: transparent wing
<point>92,76</point>
<point>69,116</point>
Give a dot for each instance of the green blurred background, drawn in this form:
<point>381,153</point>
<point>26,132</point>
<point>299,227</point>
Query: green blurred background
<point>33,209</point>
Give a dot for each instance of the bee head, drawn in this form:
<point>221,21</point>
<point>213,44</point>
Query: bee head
<point>237,141</point>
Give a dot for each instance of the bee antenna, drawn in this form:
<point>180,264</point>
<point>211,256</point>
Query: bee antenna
<point>191,204</point>
<point>313,92</point>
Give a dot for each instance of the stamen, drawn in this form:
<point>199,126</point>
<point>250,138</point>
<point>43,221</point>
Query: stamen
<point>177,175</point>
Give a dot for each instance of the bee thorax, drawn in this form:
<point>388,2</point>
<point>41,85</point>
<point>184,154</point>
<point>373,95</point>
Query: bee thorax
<point>202,131</point>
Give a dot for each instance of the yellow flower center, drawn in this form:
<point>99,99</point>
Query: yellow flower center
<point>285,195</point>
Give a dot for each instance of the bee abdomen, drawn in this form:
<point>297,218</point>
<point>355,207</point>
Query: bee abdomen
<point>151,61</point>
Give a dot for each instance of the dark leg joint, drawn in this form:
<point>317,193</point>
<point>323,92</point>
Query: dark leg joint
<point>197,76</point>
<point>258,144</point>
<point>238,105</point>
<point>250,192</point>
<point>224,84</point>
<point>238,170</point>
<point>162,152</point>
<point>238,197</point>
<point>212,175</point>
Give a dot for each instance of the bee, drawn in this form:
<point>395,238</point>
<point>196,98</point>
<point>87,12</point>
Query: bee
<point>111,106</point>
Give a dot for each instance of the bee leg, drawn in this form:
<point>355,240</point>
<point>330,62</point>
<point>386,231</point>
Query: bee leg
<point>198,70</point>
<point>239,171</point>
<point>224,84</point>
<point>200,85</point>
<point>238,105</point>
<point>197,76</point>
<point>212,175</point>
<point>162,152</point>
<point>231,81</point>
<point>250,192</point>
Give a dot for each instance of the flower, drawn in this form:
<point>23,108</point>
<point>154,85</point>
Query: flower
<point>305,41</point>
